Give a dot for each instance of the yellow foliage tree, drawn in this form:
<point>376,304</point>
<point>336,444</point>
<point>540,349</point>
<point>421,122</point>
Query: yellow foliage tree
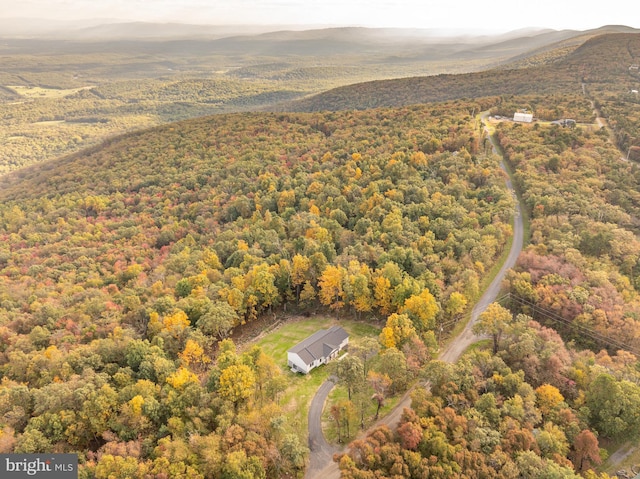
<point>235,298</point>
<point>193,354</point>
<point>308,294</point>
<point>548,398</point>
<point>181,378</point>
<point>362,300</point>
<point>286,199</point>
<point>387,339</point>
<point>382,294</point>
<point>176,323</point>
<point>422,310</point>
<point>314,210</point>
<point>418,159</point>
<point>495,321</point>
<point>331,287</point>
<point>136,404</point>
<point>455,304</point>
<point>237,383</point>
<point>154,326</point>
<point>210,259</point>
<point>398,330</point>
<point>299,272</point>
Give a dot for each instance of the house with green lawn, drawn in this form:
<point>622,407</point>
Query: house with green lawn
<point>317,349</point>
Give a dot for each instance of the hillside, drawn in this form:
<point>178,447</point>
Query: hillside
<point>602,59</point>
<point>603,68</point>
<point>122,266</point>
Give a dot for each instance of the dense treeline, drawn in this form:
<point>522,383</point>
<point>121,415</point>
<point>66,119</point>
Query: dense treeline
<point>612,83</point>
<point>545,107</point>
<point>80,93</point>
<point>273,188</point>
<point>583,200</point>
<point>43,115</point>
<point>624,119</point>
<point>534,409</point>
<point>408,91</point>
<point>121,268</point>
<point>50,122</point>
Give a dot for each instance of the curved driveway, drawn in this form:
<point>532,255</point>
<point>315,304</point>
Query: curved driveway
<point>321,452</point>
<point>321,465</point>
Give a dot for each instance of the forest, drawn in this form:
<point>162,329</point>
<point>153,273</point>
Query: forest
<point>61,95</point>
<point>128,268</point>
<point>123,266</point>
<point>539,400</point>
<point>537,408</point>
<point>582,260</point>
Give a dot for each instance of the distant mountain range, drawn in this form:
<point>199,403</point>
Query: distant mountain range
<point>387,45</point>
<point>109,29</point>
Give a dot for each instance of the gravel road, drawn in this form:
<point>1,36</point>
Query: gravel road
<point>457,346</point>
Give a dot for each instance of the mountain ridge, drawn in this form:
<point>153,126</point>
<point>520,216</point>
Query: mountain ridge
<point>564,76</point>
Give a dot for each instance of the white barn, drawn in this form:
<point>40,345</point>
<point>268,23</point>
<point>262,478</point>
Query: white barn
<point>523,117</point>
<point>317,349</point>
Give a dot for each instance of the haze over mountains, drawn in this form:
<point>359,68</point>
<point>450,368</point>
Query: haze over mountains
<point>106,29</point>
<point>295,39</point>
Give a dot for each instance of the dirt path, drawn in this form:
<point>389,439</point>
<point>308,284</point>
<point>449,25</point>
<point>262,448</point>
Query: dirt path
<point>321,465</point>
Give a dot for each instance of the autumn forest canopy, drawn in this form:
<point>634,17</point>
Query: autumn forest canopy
<point>127,268</point>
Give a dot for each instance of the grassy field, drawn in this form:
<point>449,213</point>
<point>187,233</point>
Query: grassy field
<point>296,399</point>
<point>39,92</point>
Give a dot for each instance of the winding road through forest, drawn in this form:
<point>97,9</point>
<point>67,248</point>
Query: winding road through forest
<point>321,464</point>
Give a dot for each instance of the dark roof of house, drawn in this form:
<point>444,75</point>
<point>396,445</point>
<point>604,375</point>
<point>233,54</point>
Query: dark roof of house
<point>320,344</point>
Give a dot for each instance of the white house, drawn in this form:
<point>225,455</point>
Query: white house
<point>317,349</point>
<point>523,117</point>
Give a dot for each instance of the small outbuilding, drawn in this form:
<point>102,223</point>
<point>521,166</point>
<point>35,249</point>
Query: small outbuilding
<point>317,349</point>
<point>523,117</point>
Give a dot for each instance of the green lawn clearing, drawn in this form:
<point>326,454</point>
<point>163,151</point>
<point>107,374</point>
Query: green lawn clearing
<point>296,399</point>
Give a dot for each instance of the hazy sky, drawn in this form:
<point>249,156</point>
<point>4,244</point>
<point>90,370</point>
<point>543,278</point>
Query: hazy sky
<point>499,15</point>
